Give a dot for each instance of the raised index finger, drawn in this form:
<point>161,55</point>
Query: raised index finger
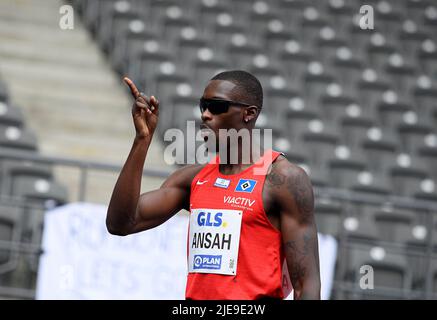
<point>132,87</point>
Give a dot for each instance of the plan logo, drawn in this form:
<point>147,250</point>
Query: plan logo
<point>205,261</point>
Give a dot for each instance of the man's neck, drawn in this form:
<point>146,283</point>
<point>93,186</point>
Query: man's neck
<point>246,155</point>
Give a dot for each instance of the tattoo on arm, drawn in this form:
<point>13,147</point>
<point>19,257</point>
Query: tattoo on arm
<point>299,254</point>
<point>274,178</point>
<point>300,188</point>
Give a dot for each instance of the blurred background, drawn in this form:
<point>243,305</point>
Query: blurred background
<point>356,108</point>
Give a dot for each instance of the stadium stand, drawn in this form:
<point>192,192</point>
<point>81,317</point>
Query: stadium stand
<point>354,107</point>
<point>27,191</point>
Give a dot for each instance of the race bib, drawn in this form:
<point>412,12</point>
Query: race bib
<point>214,240</point>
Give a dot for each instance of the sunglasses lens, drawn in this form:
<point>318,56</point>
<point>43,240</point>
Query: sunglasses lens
<point>214,106</point>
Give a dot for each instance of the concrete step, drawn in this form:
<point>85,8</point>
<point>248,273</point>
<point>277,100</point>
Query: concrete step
<point>103,148</point>
<point>80,57</point>
<point>50,34</point>
<point>61,75</point>
<point>102,98</point>
<point>37,12</point>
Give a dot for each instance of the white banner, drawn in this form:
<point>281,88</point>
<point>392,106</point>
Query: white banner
<point>81,260</point>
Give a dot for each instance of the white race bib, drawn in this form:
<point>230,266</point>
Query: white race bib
<point>214,240</point>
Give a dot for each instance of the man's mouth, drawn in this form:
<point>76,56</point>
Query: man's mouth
<point>205,131</point>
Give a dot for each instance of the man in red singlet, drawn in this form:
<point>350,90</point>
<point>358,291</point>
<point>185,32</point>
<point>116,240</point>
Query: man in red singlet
<point>251,223</point>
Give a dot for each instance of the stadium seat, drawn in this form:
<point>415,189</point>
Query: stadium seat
<point>354,125</point>
<point>334,102</point>
<point>424,97</point>
<point>371,89</point>
<point>152,60</point>
<point>189,45</point>
<point>115,24</point>
<point>240,52</point>
<point>276,36</point>
<point>277,99</point>
<point>10,235</point>
<point>205,67</point>
<point>411,38</point>
<point>341,12</point>
<point>259,19</point>
<point>379,150</point>
<point>344,167</point>
<point>262,68</point>
<point>167,85</point>
<point>127,49</point>
<point>412,132</point>
<point>391,110</point>
<point>427,151</point>
<point>320,142</point>
<point>12,137</point>
<point>10,115</point>
<point>311,21</point>
<point>295,62</point>
<point>427,57</point>
<point>407,175</point>
<point>209,13</point>
<point>391,273</point>
<point>394,226</point>
<point>298,117</point>
<point>291,12</point>
<point>400,75</point>
<point>379,51</point>
<point>4,93</point>
<point>225,36</point>
<point>389,18</point>
<point>327,44</point>
<point>348,68</point>
<point>316,82</point>
<point>328,215</point>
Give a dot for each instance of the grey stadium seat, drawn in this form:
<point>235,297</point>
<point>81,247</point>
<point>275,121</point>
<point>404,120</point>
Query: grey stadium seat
<point>10,234</point>
<point>12,137</point>
<point>10,115</point>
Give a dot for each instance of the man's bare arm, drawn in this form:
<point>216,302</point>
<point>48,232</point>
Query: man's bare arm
<point>128,212</point>
<point>294,195</point>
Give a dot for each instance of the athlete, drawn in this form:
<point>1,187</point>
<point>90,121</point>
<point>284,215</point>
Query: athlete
<point>251,225</point>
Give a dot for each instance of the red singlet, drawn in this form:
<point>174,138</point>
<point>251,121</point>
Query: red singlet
<point>234,252</point>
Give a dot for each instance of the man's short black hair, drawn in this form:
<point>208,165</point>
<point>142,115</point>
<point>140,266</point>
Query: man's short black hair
<point>248,88</point>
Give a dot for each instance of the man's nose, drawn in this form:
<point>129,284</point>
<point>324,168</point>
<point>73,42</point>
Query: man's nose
<point>206,115</point>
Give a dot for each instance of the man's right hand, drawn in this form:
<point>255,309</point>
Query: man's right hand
<point>145,111</point>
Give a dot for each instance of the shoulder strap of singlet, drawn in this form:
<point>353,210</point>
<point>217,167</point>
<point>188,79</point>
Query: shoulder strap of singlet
<point>262,165</point>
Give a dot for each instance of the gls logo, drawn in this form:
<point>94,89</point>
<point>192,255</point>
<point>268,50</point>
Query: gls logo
<point>206,219</point>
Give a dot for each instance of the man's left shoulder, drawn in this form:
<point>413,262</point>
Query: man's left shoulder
<point>282,167</point>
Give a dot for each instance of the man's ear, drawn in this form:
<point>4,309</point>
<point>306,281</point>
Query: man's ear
<point>250,114</point>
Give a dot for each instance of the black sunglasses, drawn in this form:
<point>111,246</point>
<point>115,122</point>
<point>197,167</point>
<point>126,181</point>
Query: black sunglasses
<point>218,106</point>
